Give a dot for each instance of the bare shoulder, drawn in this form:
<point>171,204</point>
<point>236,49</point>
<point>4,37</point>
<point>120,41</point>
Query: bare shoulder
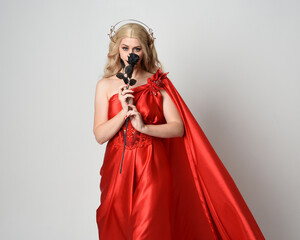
<point>163,93</point>
<point>102,83</point>
<point>102,87</point>
<point>166,99</point>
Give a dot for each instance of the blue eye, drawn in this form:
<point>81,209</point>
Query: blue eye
<point>135,49</point>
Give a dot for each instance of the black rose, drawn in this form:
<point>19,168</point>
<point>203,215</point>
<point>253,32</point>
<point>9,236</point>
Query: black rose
<point>132,82</point>
<point>133,59</point>
<point>129,70</point>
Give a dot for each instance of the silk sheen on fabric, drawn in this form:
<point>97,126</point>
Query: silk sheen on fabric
<point>169,188</point>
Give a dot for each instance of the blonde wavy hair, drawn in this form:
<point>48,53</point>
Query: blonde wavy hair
<point>149,62</point>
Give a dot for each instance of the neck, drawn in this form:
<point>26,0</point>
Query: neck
<point>137,72</point>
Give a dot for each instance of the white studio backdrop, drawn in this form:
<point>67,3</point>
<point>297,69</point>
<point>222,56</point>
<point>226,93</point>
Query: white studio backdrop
<point>235,63</point>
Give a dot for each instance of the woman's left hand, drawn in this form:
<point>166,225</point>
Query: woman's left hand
<point>136,118</point>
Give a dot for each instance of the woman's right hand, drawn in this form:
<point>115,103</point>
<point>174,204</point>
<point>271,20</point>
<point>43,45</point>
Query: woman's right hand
<point>123,95</point>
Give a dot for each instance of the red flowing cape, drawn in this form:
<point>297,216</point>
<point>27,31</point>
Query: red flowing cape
<point>201,185</point>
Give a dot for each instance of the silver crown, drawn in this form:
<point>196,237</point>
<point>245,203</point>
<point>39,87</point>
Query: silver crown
<point>112,29</point>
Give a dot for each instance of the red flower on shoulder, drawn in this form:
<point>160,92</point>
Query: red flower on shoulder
<point>156,82</point>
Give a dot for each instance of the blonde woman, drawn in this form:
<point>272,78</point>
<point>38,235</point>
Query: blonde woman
<point>173,185</point>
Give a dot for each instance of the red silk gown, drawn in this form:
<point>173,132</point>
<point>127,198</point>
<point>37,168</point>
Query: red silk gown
<point>169,189</point>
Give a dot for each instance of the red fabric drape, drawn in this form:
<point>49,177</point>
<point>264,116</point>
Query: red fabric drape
<point>201,184</point>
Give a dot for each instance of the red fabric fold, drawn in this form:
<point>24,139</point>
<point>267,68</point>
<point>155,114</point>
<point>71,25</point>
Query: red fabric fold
<point>214,189</point>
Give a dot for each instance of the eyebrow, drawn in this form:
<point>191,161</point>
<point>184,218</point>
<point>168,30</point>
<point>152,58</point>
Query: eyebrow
<point>127,45</point>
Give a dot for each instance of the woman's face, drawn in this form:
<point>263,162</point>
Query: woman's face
<point>130,45</point>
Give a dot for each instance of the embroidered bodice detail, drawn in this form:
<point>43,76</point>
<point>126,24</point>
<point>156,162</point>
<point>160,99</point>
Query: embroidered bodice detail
<point>134,139</point>
<point>148,101</point>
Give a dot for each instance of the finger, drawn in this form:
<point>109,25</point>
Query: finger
<point>128,95</point>
<point>122,88</point>
<point>131,114</point>
<point>131,111</point>
<point>133,106</point>
<point>127,91</point>
<point>125,95</point>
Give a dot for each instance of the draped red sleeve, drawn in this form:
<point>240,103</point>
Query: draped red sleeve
<point>201,185</point>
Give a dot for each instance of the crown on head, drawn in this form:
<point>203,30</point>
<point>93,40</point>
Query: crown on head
<point>112,29</point>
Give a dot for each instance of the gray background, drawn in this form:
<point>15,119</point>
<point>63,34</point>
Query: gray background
<point>235,63</point>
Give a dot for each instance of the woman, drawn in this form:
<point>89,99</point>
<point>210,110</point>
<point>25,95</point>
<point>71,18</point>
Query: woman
<point>173,185</point>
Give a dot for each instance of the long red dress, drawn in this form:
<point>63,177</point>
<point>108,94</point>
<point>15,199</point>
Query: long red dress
<point>169,189</point>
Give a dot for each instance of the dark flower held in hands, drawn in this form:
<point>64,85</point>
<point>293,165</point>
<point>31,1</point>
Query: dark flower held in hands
<point>129,70</point>
<point>132,82</point>
<point>132,60</point>
<point>121,76</point>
